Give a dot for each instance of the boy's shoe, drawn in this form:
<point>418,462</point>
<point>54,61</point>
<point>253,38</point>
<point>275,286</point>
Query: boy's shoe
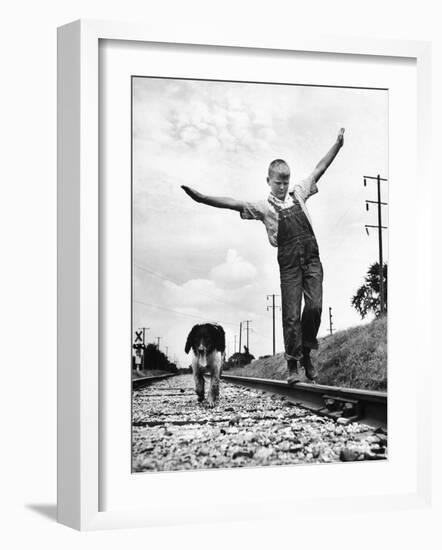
<point>292,366</point>
<point>309,368</point>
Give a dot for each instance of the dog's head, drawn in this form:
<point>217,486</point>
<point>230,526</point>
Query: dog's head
<point>203,339</point>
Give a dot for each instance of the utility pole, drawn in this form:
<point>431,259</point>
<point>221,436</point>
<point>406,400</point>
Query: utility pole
<point>144,342</point>
<point>272,307</point>
<point>247,329</point>
<point>379,227</point>
<point>234,347</point>
<point>158,338</point>
<point>330,320</point>
<point>144,334</point>
<point>167,352</point>
<point>240,334</point>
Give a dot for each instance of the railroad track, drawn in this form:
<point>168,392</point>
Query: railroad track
<point>349,404</point>
<point>146,380</point>
<point>250,427</point>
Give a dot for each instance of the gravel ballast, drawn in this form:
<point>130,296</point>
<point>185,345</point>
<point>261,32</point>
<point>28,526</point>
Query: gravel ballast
<point>248,428</point>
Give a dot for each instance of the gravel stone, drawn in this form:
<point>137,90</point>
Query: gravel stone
<point>171,431</point>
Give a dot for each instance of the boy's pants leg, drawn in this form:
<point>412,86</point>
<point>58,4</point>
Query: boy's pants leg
<point>301,275</point>
<point>291,296</point>
<point>311,315</point>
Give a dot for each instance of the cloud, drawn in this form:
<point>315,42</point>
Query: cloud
<point>194,293</point>
<point>221,294</point>
<point>217,119</point>
<point>222,286</point>
<point>234,272</point>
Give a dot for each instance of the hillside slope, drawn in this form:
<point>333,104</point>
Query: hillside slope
<point>356,358</point>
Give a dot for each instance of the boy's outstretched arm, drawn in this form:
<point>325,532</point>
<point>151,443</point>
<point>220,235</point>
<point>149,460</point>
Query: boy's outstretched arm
<point>325,162</point>
<point>218,202</point>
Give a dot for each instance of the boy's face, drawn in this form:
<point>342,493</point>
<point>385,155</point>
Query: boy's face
<point>279,184</point>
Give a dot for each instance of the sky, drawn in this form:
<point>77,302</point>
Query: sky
<point>193,263</point>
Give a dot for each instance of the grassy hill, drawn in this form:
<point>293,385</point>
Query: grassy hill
<point>355,358</point>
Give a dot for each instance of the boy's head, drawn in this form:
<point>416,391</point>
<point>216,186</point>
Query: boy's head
<point>279,178</point>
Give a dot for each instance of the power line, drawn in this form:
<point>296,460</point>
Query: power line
<point>180,313</point>
<point>268,338</point>
<point>150,271</point>
<point>155,274</point>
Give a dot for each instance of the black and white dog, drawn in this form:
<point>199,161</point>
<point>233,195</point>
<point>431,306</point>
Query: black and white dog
<point>208,343</point>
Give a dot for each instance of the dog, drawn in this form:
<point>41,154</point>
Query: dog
<point>208,343</point>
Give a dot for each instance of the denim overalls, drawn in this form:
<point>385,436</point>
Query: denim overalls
<point>301,275</point>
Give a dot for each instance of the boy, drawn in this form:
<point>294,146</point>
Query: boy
<point>289,228</point>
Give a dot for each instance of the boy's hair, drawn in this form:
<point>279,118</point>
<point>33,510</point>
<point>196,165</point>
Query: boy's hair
<point>279,166</point>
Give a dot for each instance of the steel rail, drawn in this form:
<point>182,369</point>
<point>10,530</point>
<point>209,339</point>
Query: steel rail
<point>369,407</point>
<point>146,380</point>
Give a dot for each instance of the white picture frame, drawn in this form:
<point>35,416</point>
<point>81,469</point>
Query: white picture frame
<point>79,266</point>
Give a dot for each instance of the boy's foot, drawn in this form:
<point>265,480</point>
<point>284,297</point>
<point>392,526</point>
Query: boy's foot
<point>292,366</point>
<point>309,368</point>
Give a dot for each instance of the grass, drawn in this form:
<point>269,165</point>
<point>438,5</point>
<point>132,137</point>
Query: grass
<point>353,358</point>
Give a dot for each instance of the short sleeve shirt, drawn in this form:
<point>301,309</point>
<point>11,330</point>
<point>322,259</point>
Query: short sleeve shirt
<point>265,211</point>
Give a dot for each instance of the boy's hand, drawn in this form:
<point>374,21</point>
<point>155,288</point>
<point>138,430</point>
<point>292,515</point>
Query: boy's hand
<point>192,193</point>
<point>217,202</point>
<point>325,162</point>
<point>340,138</point>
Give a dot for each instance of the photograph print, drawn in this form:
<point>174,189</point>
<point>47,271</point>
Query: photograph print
<point>259,274</point>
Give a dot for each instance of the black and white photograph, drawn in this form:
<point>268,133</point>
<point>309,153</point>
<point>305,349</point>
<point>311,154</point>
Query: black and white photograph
<point>222,257</point>
<point>259,274</point>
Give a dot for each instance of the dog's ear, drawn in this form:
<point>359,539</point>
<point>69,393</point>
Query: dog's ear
<point>191,338</point>
<point>219,338</point>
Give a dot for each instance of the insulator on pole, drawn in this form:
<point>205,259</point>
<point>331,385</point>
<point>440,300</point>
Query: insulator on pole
<point>365,182</point>
<point>366,206</point>
<point>366,229</point>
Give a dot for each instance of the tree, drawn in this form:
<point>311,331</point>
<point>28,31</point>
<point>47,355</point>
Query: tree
<point>367,297</point>
<point>156,359</point>
<point>239,359</point>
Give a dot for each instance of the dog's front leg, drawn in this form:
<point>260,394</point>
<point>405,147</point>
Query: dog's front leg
<point>214,380</point>
<point>214,390</point>
<point>199,385</point>
<point>198,378</point>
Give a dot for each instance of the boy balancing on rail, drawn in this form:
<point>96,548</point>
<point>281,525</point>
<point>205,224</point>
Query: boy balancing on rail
<point>289,228</point>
